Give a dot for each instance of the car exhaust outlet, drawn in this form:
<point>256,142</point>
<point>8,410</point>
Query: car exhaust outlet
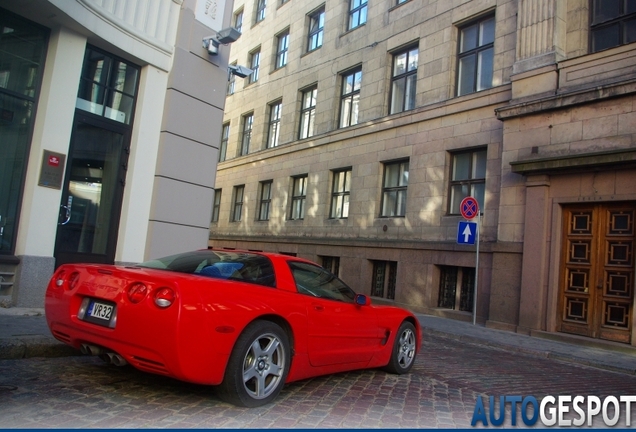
<point>91,349</point>
<point>117,360</point>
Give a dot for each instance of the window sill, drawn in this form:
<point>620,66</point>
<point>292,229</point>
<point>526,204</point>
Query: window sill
<point>352,30</point>
<point>310,52</point>
<point>392,8</point>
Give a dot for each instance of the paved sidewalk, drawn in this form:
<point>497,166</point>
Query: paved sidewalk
<point>24,333</point>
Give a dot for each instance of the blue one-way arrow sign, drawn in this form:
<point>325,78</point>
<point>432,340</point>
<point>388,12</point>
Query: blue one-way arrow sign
<point>466,232</point>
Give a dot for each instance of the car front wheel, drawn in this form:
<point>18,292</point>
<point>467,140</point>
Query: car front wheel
<point>403,354</point>
<point>258,366</point>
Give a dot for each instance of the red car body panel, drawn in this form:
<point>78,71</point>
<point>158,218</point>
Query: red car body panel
<point>192,339</point>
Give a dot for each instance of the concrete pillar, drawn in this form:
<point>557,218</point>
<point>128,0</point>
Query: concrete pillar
<point>536,246</point>
<point>52,131</point>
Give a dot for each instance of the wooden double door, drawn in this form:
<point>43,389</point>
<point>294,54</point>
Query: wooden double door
<point>597,279</point>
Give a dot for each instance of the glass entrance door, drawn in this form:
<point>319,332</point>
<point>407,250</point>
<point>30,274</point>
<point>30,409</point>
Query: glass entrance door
<point>92,194</point>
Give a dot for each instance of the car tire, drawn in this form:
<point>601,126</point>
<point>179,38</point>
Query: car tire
<point>403,352</point>
<point>258,366</point>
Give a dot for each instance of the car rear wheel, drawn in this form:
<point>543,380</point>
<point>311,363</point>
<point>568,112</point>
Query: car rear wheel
<point>258,366</point>
<point>403,354</point>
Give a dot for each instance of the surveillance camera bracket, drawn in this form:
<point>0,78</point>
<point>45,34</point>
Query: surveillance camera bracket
<point>225,36</point>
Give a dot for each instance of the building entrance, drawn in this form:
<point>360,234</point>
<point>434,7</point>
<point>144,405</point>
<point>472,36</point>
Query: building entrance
<point>92,194</point>
<point>597,279</point>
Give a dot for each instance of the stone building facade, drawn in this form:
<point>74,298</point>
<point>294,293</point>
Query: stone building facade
<point>109,114</point>
<point>365,124</point>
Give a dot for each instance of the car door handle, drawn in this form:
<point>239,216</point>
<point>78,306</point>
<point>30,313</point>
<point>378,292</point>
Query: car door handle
<point>318,307</point>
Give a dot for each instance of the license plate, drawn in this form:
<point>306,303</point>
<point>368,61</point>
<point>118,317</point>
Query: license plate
<point>100,311</point>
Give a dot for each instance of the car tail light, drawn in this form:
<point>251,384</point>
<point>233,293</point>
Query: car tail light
<point>68,282</point>
<point>137,292</point>
<point>164,297</point>
<point>59,279</point>
<point>73,279</point>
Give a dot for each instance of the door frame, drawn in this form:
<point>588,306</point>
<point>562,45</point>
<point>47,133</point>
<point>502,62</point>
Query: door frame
<point>83,117</point>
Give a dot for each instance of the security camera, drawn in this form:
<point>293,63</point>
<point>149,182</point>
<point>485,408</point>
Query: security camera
<point>228,35</point>
<point>240,71</point>
<point>211,44</point>
<point>225,36</point>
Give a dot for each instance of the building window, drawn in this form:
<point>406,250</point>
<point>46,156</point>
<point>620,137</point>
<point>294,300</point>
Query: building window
<point>403,80</point>
<point>350,98</point>
<point>299,194</point>
<point>282,47</point>
<point>108,86</point>
<point>308,113</point>
<point>357,13</point>
<point>237,207</point>
<point>316,28</point>
<point>331,264</point>
<point>255,61</point>
<point>238,20</point>
<point>260,10</point>
<point>216,207</point>
<point>476,53</point>
<point>384,278</point>
<point>396,180</point>
<point>273,131</point>
<point>265,200</point>
<point>613,23</point>
<point>456,288</point>
<point>340,194</point>
<point>246,138</point>
<point>225,136</point>
<point>468,178</point>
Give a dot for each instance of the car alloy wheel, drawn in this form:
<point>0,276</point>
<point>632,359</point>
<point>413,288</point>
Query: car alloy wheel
<point>404,347</point>
<point>263,366</point>
<point>258,365</point>
<point>406,350</point>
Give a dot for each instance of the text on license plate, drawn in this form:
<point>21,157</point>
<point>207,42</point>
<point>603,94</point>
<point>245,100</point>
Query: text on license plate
<point>100,310</point>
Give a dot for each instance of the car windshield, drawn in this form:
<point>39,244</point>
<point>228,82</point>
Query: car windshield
<point>247,267</point>
<point>318,282</point>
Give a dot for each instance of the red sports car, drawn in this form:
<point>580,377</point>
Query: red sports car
<point>245,321</point>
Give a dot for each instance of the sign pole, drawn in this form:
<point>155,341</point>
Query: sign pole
<point>469,209</point>
<point>476,269</point>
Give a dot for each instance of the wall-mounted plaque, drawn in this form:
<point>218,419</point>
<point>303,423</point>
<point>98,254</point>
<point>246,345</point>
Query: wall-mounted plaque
<point>52,170</point>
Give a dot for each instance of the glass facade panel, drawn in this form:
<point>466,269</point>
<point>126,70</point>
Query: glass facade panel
<point>108,86</point>
<point>22,53</point>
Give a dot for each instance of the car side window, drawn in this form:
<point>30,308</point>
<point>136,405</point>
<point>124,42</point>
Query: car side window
<point>317,282</point>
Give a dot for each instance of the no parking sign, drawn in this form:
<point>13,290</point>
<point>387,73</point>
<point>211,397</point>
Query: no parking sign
<point>469,208</point>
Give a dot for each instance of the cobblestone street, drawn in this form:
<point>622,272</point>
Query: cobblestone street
<point>83,392</point>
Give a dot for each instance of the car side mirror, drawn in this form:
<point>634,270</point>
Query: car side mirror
<point>362,300</point>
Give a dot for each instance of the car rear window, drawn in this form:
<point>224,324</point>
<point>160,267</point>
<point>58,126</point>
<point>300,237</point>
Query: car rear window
<point>239,266</point>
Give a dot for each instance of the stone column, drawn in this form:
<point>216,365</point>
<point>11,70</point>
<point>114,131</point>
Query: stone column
<point>541,34</point>
<point>536,244</point>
